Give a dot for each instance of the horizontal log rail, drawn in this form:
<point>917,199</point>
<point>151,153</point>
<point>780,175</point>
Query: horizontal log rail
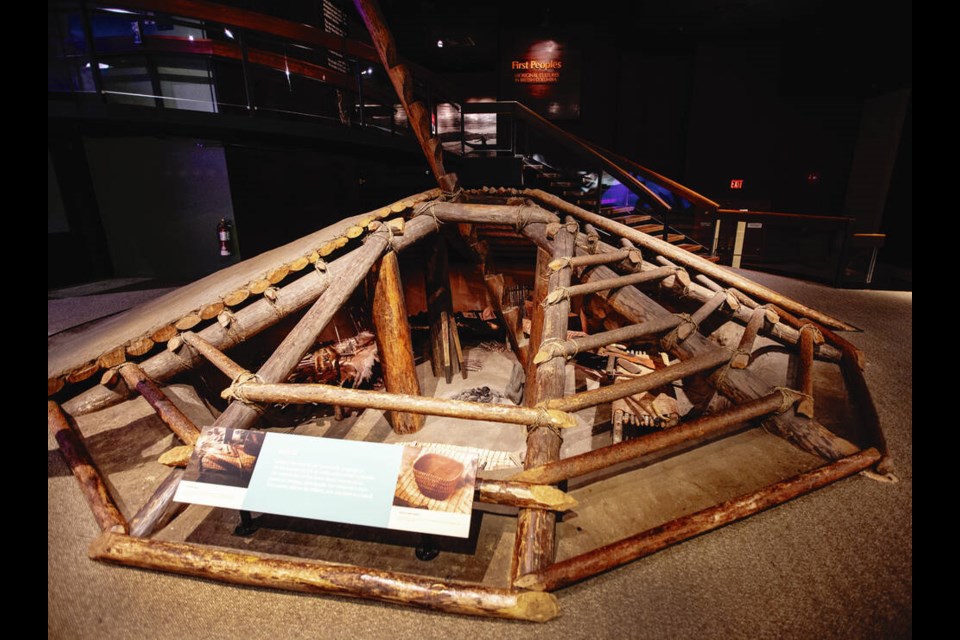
<point>568,348</point>
<point>693,430</point>
<point>644,277</point>
<point>515,216</point>
<point>602,395</point>
<point>361,399</point>
<point>631,254</point>
<point>315,576</point>
<point>652,540</point>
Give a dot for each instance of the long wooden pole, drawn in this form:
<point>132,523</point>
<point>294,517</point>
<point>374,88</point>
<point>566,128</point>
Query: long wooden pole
<point>92,484</point>
<point>215,356</point>
<point>284,359</point>
<point>758,316</point>
<point>652,540</point>
<point>426,405</point>
<point>808,334</point>
<point>315,576</point>
<point>402,81</point>
<point>394,341</point>
<point>594,341</point>
<point>634,279</point>
<point>169,413</point>
<point>602,395</point>
<point>694,430</point>
<point>541,282</point>
<point>535,546</point>
<point>687,259</point>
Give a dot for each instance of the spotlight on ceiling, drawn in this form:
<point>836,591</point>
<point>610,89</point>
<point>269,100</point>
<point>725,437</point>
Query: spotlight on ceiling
<point>440,44</point>
<point>228,33</point>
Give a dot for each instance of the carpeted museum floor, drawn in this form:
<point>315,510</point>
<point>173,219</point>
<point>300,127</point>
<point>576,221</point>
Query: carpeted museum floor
<point>833,564</point>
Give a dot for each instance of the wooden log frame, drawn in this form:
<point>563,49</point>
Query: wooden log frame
<point>783,332</point>
<point>77,457</point>
<point>315,576</point>
<point>737,385</point>
<point>75,357</point>
<point>235,327</point>
<point>513,215</point>
<point>394,341</point>
<point>686,259</point>
<point>535,545</point>
<point>572,346</point>
<point>652,540</point>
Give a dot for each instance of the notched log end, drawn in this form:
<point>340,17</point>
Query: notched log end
<point>535,606</point>
<point>562,419</point>
<point>177,456</point>
<point>529,581</point>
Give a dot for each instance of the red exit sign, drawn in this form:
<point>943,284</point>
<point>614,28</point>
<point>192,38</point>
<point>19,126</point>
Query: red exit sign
<point>736,184</point>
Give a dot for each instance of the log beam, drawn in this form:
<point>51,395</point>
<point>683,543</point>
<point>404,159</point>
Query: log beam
<point>568,348</point>
<point>808,335</point>
<point>159,507</point>
<point>315,576</point>
<point>169,413</point>
<point>652,540</point>
<point>92,484</point>
<point>516,216</point>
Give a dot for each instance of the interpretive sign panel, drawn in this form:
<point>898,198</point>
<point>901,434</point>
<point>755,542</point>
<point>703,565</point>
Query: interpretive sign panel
<point>377,485</point>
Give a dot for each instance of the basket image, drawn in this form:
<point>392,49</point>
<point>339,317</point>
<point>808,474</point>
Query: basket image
<point>437,476</point>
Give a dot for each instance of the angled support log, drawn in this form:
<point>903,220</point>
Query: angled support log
<point>217,358</point>
<point>568,348</point>
<point>159,507</point>
<point>809,334</point>
<point>687,432</point>
<point>736,384</point>
<point>92,485</point>
<point>535,546</point>
<point>240,415</point>
<point>510,317</point>
<point>652,540</point>
<point>686,259</point>
<point>634,279</point>
<point>759,315</point>
<point>169,413</point>
<point>394,342</point>
<point>315,576</point>
<point>426,405</point>
<point>592,237</point>
<point>403,84</point>
<point>705,361</point>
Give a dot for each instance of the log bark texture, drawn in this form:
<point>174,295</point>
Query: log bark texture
<point>394,342</point>
<point>159,507</point>
<point>314,576</point>
<point>92,485</point>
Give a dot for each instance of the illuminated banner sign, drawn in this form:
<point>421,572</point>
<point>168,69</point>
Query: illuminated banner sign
<point>544,74</point>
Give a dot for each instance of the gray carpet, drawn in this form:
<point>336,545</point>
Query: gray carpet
<point>833,564</point>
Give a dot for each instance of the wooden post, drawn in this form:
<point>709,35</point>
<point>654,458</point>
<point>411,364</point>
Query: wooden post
<point>687,259</point>
<point>169,413</point>
<point>394,342</point>
<point>541,282</point>
<point>686,527</point>
<point>315,576</point>
<point>159,507</point>
<point>808,335</point>
<point>444,336</point>
<point>362,398</point>
<point>692,431</point>
<point>535,546</point>
<point>284,359</point>
<point>758,316</point>
<point>92,485</point>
